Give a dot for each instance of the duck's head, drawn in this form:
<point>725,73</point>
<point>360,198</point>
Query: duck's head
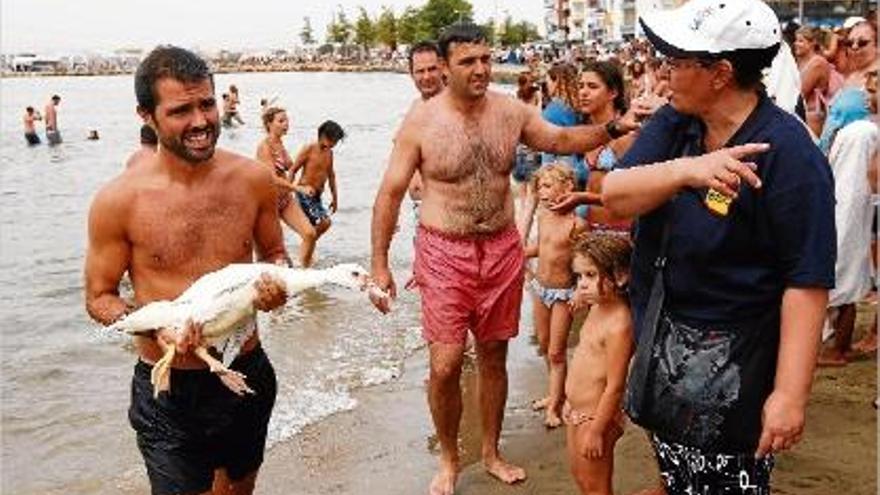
<point>348,275</point>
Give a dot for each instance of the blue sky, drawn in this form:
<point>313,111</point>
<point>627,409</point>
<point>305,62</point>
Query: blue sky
<point>64,26</point>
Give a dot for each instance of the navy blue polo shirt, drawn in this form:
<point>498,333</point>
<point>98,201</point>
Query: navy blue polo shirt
<point>734,268</point>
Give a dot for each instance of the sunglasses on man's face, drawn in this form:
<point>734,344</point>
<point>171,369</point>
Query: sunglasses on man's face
<point>854,44</point>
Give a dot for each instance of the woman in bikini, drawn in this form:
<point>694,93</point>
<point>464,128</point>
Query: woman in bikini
<point>815,76</point>
<point>602,98</point>
<point>271,152</point>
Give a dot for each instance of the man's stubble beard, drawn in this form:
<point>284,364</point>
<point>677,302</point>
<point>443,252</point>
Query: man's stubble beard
<point>178,149</point>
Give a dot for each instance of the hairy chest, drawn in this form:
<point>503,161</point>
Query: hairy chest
<point>170,231</point>
<point>455,149</point>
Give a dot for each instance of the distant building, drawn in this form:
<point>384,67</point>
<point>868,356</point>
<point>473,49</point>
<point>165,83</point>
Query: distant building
<point>31,62</point>
<point>823,12</point>
<point>578,21</point>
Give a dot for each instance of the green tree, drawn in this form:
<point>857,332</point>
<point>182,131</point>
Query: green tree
<point>386,29</point>
<point>411,27</point>
<point>437,14</point>
<point>489,29</point>
<point>306,35</point>
<point>508,35</point>
<point>339,30</point>
<point>518,33</point>
<point>364,30</point>
<point>529,31</point>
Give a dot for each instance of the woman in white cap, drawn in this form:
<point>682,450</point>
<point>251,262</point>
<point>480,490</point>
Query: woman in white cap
<point>732,261</point>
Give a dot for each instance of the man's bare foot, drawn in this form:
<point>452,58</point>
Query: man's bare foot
<point>831,358</point>
<point>504,471</point>
<point>539,404</point>
<point>552,420</point>
<point>444,481</point>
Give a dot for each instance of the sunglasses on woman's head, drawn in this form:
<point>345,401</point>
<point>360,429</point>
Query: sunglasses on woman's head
<point>853,44</point>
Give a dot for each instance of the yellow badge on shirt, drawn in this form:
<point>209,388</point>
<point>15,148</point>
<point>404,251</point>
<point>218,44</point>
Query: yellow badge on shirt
<point>718,203</point>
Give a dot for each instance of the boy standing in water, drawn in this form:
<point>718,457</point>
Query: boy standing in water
<point>316,162</point>
<point>597,379</point>
<point>30,131</point>
<point>553,284</point>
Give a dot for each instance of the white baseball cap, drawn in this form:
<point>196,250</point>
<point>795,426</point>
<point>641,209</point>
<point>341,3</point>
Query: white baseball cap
<point>852,21</point>
<point>713,27</point>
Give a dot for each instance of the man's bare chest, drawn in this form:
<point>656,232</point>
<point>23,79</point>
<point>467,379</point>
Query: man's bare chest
<point>171,232</point>
<point>455,151</point>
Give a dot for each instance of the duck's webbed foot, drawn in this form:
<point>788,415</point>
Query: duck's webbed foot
<point>160,377</point>
<point>233,380</point>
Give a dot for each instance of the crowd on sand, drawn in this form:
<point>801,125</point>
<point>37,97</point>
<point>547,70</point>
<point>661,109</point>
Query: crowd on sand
<point>702,202</point>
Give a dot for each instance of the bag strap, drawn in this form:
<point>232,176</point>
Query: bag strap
<point>651,317</point>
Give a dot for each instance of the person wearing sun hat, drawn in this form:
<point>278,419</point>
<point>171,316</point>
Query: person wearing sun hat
<point>734,252</point>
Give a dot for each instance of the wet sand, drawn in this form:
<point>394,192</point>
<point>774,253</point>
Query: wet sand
<point>386,446</point>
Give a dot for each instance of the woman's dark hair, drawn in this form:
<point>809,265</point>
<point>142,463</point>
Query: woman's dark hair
<point>460,32</point>
<point>167,61</point>
<point>610,74</point>
<point>332,131</point>
<point>565,76</point>
<point>748,65</point>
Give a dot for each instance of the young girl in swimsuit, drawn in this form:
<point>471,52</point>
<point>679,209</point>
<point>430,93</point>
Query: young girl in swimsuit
<point>272,153</point>
<point>553,283</point>
<point>596,381</point>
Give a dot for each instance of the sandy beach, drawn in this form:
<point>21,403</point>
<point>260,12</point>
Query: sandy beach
<point>385,445</point>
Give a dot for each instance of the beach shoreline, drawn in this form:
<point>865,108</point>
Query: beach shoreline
<point>501,74</point>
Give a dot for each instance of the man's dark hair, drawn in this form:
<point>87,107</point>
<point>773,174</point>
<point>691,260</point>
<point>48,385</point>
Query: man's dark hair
<point>422,47</point>
<point>167,61</point>
<point>148,135</point>
<point>29,109</point>
<point>460,32</point>
<point>56,98</point>
<point>332,131</point>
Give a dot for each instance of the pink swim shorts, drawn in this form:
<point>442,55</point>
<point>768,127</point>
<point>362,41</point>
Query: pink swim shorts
<point>469,283</point>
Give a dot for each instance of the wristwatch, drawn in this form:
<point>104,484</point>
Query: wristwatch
<point>613,130</point>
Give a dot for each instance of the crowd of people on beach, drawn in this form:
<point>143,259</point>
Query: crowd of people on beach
<point>704,222</point>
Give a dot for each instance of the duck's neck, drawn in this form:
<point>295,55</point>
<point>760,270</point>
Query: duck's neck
<point>303,279</point>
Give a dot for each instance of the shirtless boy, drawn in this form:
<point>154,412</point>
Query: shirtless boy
<point>553,284</point>
<point>316,162</point>
<point>30,132</point>
<point>596,381</point>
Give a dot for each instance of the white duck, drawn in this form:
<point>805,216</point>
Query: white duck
<point>222,302</point>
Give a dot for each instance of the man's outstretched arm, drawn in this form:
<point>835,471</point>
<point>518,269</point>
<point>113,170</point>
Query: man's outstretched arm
<point>405,157</point>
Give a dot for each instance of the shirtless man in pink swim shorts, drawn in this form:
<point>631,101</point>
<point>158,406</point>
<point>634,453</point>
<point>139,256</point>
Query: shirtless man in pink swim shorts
<point>469,258</point>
